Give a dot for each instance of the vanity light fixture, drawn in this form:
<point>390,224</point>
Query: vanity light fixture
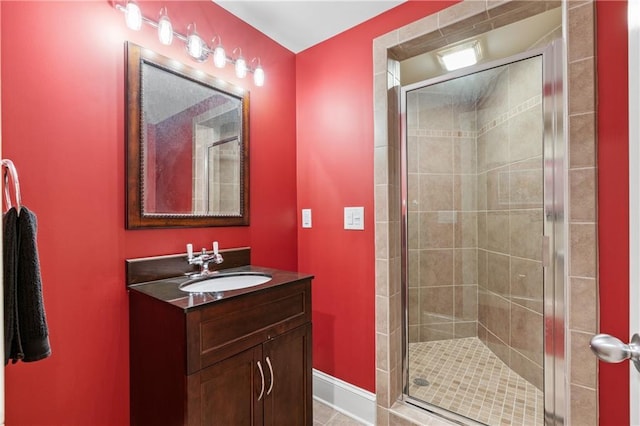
<point>165,29</point>
<point>241,64</point>
<point>258,73</point>
<point>133,16</point>
<point>460,56</point>
<point>219,55</point>
<point>194,44</point>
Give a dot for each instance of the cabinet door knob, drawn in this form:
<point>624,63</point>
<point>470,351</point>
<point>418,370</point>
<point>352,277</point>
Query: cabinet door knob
<point>272,377</point>
<point>262,378</point>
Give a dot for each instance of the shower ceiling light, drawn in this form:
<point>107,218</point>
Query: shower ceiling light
<point>195,45</point>
<point>460,56</point>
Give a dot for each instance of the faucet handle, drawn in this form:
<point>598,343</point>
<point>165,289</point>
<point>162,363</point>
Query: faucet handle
<point>216,257</point>
<point>190,251</point>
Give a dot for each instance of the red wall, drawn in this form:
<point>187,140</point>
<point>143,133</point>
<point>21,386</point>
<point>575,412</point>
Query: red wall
<point>613,201</point>
<point>63,125</point>
<point>335,169</point>
<point>334,90</point>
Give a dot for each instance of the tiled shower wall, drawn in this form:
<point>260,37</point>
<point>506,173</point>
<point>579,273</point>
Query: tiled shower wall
<point>463,20</point>
<point>441,165</point>
<point>510,181</point>
<point>216,169</point>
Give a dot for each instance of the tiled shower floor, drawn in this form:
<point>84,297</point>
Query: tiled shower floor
<point>464,376</point>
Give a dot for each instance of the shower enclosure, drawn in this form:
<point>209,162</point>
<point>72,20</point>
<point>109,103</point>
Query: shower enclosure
<point>482,259</point>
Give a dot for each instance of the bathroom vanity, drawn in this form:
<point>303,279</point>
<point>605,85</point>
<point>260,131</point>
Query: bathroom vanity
<point>239,357</point>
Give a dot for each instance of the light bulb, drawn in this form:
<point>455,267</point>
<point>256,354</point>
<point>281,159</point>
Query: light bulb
<point>195,45</point>
<point>258,76</point>
<point>133,16</point>
<point>219,56</point>
<point>241,67</point>
<point>165,29</point>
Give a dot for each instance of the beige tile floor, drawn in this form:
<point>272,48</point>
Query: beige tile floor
<point>465,377</point>
<point>325,415</point>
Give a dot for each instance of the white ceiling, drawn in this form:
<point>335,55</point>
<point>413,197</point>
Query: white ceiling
<point>300,24</point>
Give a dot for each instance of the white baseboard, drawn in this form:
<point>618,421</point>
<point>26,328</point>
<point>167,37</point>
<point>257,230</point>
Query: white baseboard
<point>345,397</point>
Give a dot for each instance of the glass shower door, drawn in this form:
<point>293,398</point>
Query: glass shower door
<point>474,201</point>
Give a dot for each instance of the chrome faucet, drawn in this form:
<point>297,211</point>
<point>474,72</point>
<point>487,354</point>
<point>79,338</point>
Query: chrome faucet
<point>203,259</point>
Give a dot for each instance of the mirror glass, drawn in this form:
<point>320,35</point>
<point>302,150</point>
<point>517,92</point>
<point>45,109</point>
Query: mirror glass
<point>187,145</point>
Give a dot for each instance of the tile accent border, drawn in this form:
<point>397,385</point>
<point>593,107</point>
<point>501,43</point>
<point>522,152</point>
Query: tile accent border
<point>582,281</point>
<point>503,118</point>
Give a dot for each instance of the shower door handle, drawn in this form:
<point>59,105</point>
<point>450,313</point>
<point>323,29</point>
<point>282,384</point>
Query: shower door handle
<point>612,349</point>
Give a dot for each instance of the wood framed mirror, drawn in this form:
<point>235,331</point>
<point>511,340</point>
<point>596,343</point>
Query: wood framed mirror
<point>187,145</point>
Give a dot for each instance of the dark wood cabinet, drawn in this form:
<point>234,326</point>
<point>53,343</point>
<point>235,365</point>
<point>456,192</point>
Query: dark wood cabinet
<point>264,385</point>
<point>287,402</point>
<point>241,361</point>
<point>226,393</point>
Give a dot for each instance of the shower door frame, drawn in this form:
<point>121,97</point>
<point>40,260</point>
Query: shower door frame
<point>554,247</point>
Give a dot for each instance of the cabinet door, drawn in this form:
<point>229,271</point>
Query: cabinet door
<point>288,364</point>
<point>227,392</point>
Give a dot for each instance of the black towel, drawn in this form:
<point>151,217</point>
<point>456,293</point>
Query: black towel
<point>26,335</point>
<point>32,322</point>
<point>12,346</point>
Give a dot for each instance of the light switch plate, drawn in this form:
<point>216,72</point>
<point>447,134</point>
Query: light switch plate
<point>306,218</point>
<point>354,218</point>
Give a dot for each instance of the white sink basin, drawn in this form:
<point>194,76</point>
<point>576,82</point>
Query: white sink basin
<point>226,282</point>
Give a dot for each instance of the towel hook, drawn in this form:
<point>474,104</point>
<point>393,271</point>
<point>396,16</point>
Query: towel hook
<point>11,170</point>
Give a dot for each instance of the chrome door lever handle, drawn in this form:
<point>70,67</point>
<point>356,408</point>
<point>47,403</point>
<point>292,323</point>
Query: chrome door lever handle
<point>612,349</point>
